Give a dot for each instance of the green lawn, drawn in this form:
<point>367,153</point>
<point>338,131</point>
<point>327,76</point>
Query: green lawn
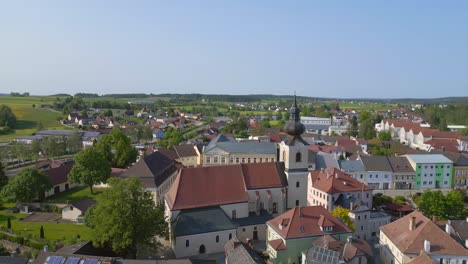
<point>28,117</point>
<point>52,231</point>
<point>74,195</point>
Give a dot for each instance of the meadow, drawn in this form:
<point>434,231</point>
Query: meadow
<point>28,117</point>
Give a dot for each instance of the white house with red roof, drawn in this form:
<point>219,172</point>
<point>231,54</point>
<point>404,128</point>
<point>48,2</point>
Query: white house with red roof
<point>332,188</point>
<point>289,234</point>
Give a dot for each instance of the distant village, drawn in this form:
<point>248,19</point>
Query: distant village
<point>307,192</point>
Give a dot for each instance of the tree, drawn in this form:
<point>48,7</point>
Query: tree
<point>3,177</point>
<point>454,205</point>
<point>385,136</point>
<point>9,223</point>
<point>41,232</point>
<point>343,214</point>
<point>27,186</point>
<point>39,126</point>
<point>431,203</point>
<point>126,217</point>
<point>91,167</point>
<point>74,143</point>
<point>108,113</point>
<point>353,128</point>
<point>117,148</point>
<point>399,199</point>
<point>7,117</point>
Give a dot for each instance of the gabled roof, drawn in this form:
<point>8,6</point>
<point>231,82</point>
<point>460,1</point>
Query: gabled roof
<point>424,258</point>
<point>217,185</point>
<point>239,253</point>
<point>277,244</point>
<point>186,150</point>
<point>219,139</point>
<point>376,163</point>
<point>400,164</point>
<point>204,220</point>
<point>351,165</point>
<point>59,175</point>
<point>459,159</point>
<point>332,180</point>
<point>245,147</point>
<point>84,204</point>
<point>324,160</point>
<point>412,242</point>
<point>301,222</point>
<point>152,169</point>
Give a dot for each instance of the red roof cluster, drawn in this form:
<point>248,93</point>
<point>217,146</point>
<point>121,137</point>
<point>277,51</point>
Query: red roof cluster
<point>332,180</point>
<point>217,185</point>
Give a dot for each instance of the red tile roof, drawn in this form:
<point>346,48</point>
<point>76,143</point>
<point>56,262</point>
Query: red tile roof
<point>326,181</point>
<point>412,242</point>
<point>217,185</point>
<point>277,244</point>
<point>327,148</point>
<point>302,222</point>
<point>440,134</point>
<point>59,175</point>
<point>345,142</point>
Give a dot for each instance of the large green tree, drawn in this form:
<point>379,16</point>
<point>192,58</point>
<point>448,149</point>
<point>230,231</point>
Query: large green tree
<point>117,148</point>
<point>7,117</point>
<point>3,177</point>
<point>434,203</point>
<point>126,218</point>
<point>27,186</point>
<point>91,167</point>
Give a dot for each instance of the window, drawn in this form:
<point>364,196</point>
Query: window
<point>233,214</point>
<point>272,159</point>
<point>448,166</point>
<point>359,217</point>
<point>243,160</point>
<point>298,157</point>
<point>223,160</point>
<point>361,176</point>
<point>187,243</point>
<point>362,228</point>
<point>230,236</point>
<point>376,176</point>
<point>261,160</point>
<point>275,208</point>
<point>243,229</point>
<point>386,176</point>
<point>208,159</point>
<point>448,174</point>
<point>231,160</point>
<point>367,195</point>
<point>255,228</point>
<point>424,182</point>
<point>445,182</point>
<point>430,182</point>
<point>248,160</point>
<point>255,160</point>
<point>237,160</point>
<point>297,202</point>
<point>217,239</point>
<point>297,184</point>
<point>432,167</point>
<point>370,176</point>
<point>419,166</point>
<point>71,208</point>
<point>365,216</point>
<point>215,159</point>
<point>425,167</point>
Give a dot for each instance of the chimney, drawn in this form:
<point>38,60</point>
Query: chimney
<point>434,218</point>
<point>412,223</point>
<point>447,228</point>
<point>349,239</point>
<point>336,175</point>
<point>427,246</point>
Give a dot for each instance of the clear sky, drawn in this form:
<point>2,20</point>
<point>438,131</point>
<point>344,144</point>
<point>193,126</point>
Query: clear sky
<point>373,49</point>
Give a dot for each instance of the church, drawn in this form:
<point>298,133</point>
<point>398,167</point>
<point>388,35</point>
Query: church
<point>208,206</point>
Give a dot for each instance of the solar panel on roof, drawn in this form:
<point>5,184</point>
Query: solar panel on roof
<point>56,260</point>
<point>72,260</point>
<point>91,261</point>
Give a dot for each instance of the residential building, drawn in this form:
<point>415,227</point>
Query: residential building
<point>404,176</point>
<point>403,240</point>
<point>237,252</point>
<point>378,172</point>
<point>289,234</point>
<point>460,168</point>
<point>297,158</point>
<point>76,211</point>
<point>333,251</point>
<point>433,171</point>
<point>354,168</point>
<point>58,178</point>
<point>332,188</point>
<point>157,172</point>
<point>207,206</point>
<point>187,154</point>
<point>337,151</point>
<point>224,150</point>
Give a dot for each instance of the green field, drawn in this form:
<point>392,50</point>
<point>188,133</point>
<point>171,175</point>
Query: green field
<point>73,195</point>
<point>53,231</point>
<point>28,117</point>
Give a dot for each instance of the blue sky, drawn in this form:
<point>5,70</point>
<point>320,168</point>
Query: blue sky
<point>372,49</point>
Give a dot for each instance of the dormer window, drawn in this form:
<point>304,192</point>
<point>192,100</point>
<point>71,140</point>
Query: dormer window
<point>298,157</point>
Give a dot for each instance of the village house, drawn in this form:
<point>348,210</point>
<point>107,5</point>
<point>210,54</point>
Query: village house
<point>403,240</point>
<point>460,168</point>
<point>292,232</point>
<point>58,178</point>
<point>404,176</point>
<point>433,171</point>
<point>378,172</point>
<point>76,211</point>
<point>157,172</point>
